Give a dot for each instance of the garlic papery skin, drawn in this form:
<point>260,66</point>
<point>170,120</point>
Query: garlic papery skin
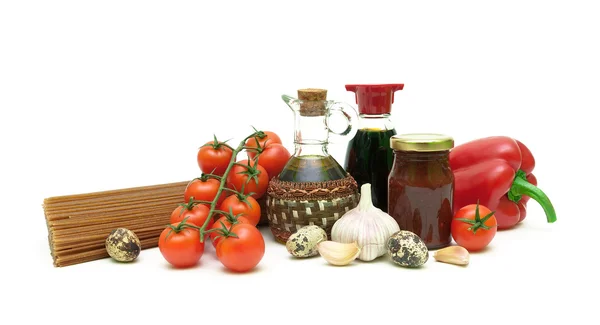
<point>366,225</point>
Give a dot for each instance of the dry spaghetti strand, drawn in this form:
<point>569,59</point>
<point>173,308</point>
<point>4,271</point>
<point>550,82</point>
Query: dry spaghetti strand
<point>79,224</point>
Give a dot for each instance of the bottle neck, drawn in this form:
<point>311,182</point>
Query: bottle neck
<point>311,136</point>
<point>375,122</point>
<point>319,149</point>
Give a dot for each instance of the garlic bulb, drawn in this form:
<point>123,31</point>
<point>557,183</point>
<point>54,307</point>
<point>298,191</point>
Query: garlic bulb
<point>366,225</point>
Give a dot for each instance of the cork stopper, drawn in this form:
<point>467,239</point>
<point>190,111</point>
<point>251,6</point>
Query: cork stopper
<point>313,101</point>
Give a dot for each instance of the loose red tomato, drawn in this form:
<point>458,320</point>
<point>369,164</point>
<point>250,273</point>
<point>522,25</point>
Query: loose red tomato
<point>215,236</point>
<point>253,178</point>
<point>273,158</point>
<point>195,213</point>
<point>214,157</point>
<point>181,246</point>
<point>246,205</point>
<point>473,227</point>
<point>244,252</point>
<point>204,189</point>
<point>267,138</point>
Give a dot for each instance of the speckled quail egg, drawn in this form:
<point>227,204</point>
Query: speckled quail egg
<point>407,249</point>
<point>304,242</point>
<point>123,245</point>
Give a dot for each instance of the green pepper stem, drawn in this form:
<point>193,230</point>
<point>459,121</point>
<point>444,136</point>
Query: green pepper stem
<point>522,187</point>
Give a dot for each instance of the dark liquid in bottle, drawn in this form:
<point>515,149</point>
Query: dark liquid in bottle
<point>312,169</point>
<point>369,159</point>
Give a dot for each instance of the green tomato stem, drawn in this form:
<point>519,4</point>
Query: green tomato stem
<point>223,182</point>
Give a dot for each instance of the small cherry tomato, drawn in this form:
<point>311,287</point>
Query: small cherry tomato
<point>180,245</point>
<point>243,252</point>
<point>265,138</point>
<point>242,204</point>
<point>214,157</point>
<point>273,158</point>
<point>473,227</point>
<point>253,178</point>
<point>215,236</point>
<point>195,213</point>
<point>204,189</point>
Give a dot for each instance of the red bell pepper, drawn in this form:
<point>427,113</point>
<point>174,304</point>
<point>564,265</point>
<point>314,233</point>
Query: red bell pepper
<point>497,172</point>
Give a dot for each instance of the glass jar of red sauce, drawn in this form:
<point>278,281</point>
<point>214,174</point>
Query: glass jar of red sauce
<point>421,186</point>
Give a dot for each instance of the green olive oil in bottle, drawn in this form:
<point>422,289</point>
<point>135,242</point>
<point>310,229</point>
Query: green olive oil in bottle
<point>311,162</point>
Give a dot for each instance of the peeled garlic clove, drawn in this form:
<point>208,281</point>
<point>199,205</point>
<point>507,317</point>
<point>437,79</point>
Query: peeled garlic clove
<point>453,255</point>
<point>338,253</point>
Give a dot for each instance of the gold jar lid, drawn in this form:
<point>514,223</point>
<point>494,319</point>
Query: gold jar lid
<point>421,142</point>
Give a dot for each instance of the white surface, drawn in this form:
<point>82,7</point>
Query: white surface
<point>114,94</point>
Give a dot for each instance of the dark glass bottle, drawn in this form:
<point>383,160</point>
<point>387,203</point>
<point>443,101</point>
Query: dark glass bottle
<point>369,157</point>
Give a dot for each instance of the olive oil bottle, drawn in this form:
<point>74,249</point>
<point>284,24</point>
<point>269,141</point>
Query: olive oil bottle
<point>369,157</point>
<point>312,168</point>
<point>311,162</point>
<point>313,189</point>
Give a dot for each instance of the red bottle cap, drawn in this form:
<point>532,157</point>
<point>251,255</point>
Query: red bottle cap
<point>374,99</point>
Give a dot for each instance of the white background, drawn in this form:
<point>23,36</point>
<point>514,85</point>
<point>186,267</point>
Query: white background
<point>111,94</point>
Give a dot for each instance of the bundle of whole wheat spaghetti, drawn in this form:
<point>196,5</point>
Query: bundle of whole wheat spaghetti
<point>79,224</point>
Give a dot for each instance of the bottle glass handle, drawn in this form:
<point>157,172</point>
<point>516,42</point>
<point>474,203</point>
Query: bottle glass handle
<point>341,117</point>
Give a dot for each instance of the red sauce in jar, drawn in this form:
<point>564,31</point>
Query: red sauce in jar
<point>421,186</point>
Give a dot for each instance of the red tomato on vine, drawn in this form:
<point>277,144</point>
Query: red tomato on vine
<point>224,221</point>
<point>273,158</point>
<point>214,157</point>
<point>180,245</point>
<point>194,213</point>
<point>246,176</point>
<point>204,189</point>
<point>261,140</point>
<point>242,252</point>
<point>245,205</point>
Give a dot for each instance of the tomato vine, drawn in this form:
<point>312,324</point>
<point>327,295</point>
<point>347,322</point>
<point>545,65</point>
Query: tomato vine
<point>222,186</point>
